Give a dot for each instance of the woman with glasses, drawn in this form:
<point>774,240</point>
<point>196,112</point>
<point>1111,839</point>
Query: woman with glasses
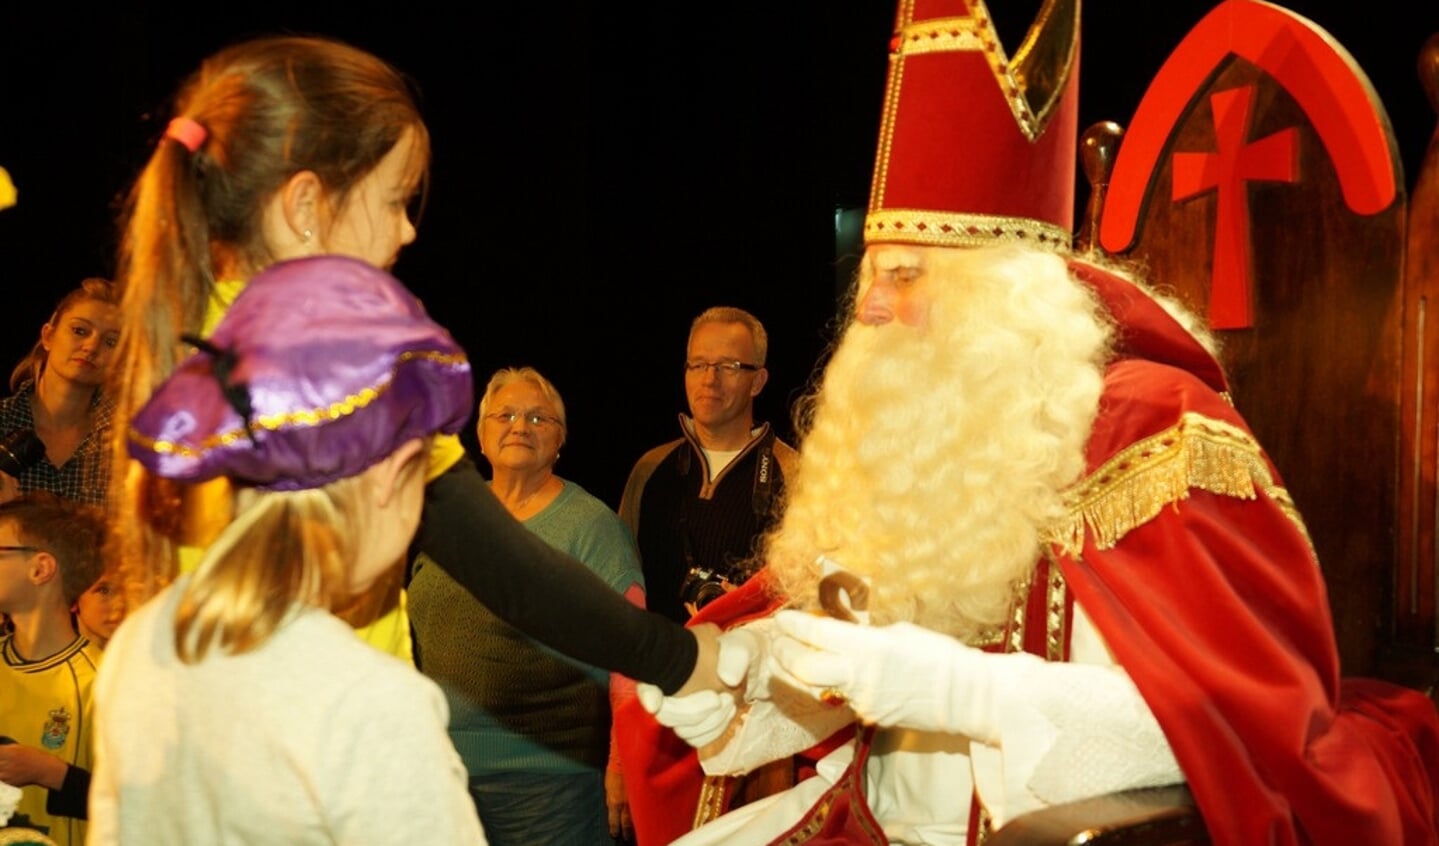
<point>532,728</point>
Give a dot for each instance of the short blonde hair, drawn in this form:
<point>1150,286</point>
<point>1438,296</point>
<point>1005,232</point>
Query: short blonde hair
<point>282,548</point>
<point>730,314</point>
<point>506,375</point>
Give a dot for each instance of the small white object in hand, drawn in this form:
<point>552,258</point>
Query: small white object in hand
<point>9,801</point>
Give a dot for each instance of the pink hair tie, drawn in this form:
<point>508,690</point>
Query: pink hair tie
<point>187,131</point>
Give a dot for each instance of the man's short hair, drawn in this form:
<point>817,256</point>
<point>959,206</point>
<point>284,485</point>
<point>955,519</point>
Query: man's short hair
<point>69,530</point>
<point>730,314</point>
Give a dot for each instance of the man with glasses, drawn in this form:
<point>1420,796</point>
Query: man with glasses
<point>697,504</point>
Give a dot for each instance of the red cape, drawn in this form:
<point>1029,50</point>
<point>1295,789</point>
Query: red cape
<point>1218,610</point>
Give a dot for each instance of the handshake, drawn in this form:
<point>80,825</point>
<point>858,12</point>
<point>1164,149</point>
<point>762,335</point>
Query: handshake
<point>900,675</point>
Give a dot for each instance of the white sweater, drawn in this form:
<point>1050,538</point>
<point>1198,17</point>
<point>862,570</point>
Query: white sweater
<point>314,738</point>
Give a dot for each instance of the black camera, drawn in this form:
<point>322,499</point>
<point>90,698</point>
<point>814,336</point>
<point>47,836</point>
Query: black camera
<point>19,451</point>
<point>703,586</point>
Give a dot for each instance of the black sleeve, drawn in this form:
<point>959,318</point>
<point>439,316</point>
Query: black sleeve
<point>543,592</point>
<point>73,797</point>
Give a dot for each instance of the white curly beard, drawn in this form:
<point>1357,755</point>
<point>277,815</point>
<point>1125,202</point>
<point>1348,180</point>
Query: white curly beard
<point>935,457</point>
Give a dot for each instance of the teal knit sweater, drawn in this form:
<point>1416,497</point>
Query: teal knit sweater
<point>515,704</point>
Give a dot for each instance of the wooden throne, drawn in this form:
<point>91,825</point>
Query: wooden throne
<point>1259,179</point>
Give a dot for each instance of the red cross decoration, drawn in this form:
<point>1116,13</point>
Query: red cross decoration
<point>1320,78</point>
<point>1226,171</point>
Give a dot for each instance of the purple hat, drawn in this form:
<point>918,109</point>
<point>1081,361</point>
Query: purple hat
<point>321,367</point>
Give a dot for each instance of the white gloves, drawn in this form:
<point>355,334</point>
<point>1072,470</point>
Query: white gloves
<point>895,675</point>
<point>700,718</point>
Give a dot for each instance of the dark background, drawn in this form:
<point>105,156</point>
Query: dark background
<point>602,172</point>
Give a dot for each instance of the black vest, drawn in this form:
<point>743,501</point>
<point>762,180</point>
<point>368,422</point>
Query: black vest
<point>686,527</point>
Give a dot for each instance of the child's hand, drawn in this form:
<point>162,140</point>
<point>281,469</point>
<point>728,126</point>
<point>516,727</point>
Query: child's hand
<point>22,766</point>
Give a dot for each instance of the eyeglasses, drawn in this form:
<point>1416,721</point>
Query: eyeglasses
<point>19,549</point>
<point>724,368</point>
<point>534,418</point>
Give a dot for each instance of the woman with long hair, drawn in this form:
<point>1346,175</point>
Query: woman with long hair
<point>55,424</point>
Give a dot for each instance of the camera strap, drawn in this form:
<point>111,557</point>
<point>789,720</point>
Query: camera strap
<point>762,496</point>
<point>764,471</point>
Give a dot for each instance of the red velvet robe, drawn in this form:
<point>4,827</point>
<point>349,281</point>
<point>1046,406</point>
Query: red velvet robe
<point>1217,609</point>
<point>1190,559</point>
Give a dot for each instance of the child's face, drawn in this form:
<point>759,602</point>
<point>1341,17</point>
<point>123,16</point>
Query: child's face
<point>100,608</point>
<point>374,222</point>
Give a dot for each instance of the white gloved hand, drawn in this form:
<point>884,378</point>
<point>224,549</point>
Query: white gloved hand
<point>896,675</point>
<point>702,717</point>
<point>698,719</point>
<point>741,663</point>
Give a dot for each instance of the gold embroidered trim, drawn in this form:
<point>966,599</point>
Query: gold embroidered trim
<point>813,823</point>
<point>1056,622</point>
<point>949,229</point>
<point>940,35</point>
<point>986,822</point>
<point>1286,504</point>
<point>305,417</point>
<point>886,135</point>
<point>1033,82</point>
<point>1131,488</point>
<point>714,792</point>
<point>1018,616</point>
<point>986,637</point>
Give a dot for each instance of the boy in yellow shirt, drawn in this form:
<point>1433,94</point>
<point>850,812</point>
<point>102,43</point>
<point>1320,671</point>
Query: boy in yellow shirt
<point>49,555</point>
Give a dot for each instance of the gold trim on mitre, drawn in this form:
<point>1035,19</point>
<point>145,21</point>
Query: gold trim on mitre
<point>950,229</point>
<point>1034,81</point>
<point>1131,488</point>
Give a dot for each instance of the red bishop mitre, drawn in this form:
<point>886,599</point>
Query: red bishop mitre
<point>976,148</point>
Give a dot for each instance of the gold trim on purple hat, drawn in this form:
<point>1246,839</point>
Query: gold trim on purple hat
<point>289,419</point>
<point>320,368</point>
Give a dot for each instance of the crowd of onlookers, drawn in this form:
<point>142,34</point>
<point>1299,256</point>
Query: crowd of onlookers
<point>59,603</point>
